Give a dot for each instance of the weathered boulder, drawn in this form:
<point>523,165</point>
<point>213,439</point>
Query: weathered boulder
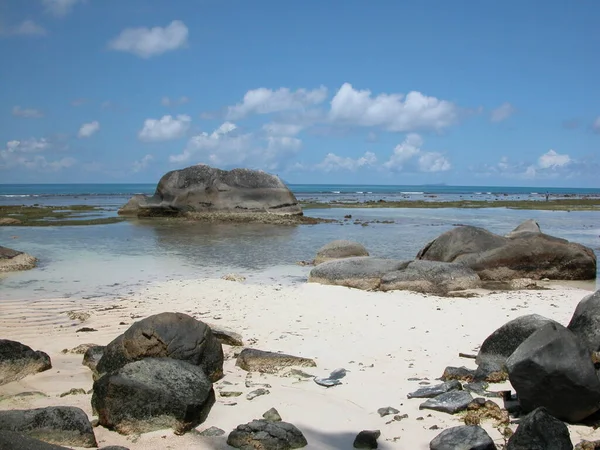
<point>585,322</point>
<point>361,272</point>
<point>10,440</point>
<point>552,368</point>
<point>499,345</point>
<point>166,335</point>
<point>61,425</point>
<point>540,431</point>
<point>524,255</point>
<point>13,260</point>
<point>226,336</point>
<point>265,435</point>
<point>253,360</point>
<point>463,438</point>
<point>18,360</point>
<point>529,226</point>
<point>153,394</point>
<point>340,249</point>
<point>205,189</point>
<point>431,277</point>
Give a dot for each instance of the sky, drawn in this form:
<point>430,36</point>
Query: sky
<point>462,92</point>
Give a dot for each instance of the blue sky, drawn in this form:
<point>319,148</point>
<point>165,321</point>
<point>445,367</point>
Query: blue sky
<point>339,91</point>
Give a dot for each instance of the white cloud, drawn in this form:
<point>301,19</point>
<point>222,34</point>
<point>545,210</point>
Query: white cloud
<point>393,112</point>
<point>282,129</point>
<point>433,162</point>
<point>87,129</point>
<point>25,153</point>
<point>25,28</point>
<point>267,101</point>
<point>596,125</point>
<point>502,112</point>
<point>549,165</point>
<point>31,145</point>
<point>405,153</point>
<point>333,162</point>
<point>166,101</point>
<point>165,129</point>
<point>30,113</point>
<point>147,42</point>
<point>142,163</point>
<point>60,8</point>
<point>552,160</point>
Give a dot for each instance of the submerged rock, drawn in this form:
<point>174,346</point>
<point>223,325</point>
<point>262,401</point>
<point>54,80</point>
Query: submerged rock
<point>13,260</point>
<point>340,249</point>
<point>18,360</point>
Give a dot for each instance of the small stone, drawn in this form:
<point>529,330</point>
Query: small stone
<point>230,394</point>
<point>257,393</point>
<point>387,411</point>
<point>212,431</point>
<point>367,439</point>
<point>85,330</point>
<point>272,415</point>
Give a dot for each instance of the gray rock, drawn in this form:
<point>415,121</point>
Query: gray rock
<point>61,425</point>
<point>367,439</point>
<point>92,356</point>
<point>540,431</point>
<point>272,415</point>
<point>18,360</point>
<point>225,336</point>
<point>13,260</point>
<point>431,277</point>
<point>450,402</point>
<point>153,394</point>
<point>463,438</point>
<point>361,272</point>
<point>387,411</point>
<point>203,189</point>
<point>527,227</point>
<point>585,322</point>
<point>10,440</point>
<point>265,435</point>
<point>458,373</point>
<point>553,368</point>
<point>212,431</point>
<point>257,393</point>
<point>340,249</point>
<point>434,391</point>
<point>526,255</point>
<point>253,360</point>
<point>166,335</point>
<point>333,379</point>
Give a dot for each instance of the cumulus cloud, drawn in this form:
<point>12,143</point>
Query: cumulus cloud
<point>26,154</point>
<point>548,165</point>
<point>502,112</point>
<point>166,101</point>
<point>60,8</point>
<point>165,129</point>
<point>267,101</point>
<point>25,28</point>
<point>393,112</point>
<point>408,155</point>
<point>433,162</point>
<point>143,163</point>
<point>30,113</point>
<point>552,160</point>
<point>596,125</point>
<point>282,129</point>
<point>148,42</point>
<point>333,162</point>
<point>88,129</point>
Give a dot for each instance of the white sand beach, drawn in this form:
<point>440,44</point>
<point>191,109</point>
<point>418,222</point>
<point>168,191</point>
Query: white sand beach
<point>381,339</point>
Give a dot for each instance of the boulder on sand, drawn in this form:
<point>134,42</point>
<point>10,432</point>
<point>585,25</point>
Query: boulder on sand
<point>524,255</point>
<point>263,434</point>
<point>204,189</point>
<point>538,430</point>
<point>13,260</point>
<point>463,438</point>
<point>585,322</point>
<point>340,249</point>
<point>166,335</point>
<point>18,360</point>
<point>553,368</point>
<point>254,360</point>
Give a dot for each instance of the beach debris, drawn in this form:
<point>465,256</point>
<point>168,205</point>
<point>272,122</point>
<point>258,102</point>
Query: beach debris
<point>80,349</point>
<point>230,393</point>
<point>480,408</point>
<point>387,411</point>
<point>85,330</point>
<point>367,439</point>
<point>272,415</point>
<point>226,336</point>
<point>333,379</point>
<point>257,393</point>
<point>297,373</point>
<point>539,429</point>
<point>340,249</point>
<point>434,391</point>
<point>92,355</point>
<point>304,263</point>
<point>588,445</point>
<point>464,438</point>
<point>585,322</point>
<point>182,396</point>
<point>13,260</point>
<point>254,360</point>
<point>450,402</point>
<point>467,355</point>
<point>82,316</point>
<point>18,360</point>
<point>60,425</point>
<point>267,435</point>
<point>458,373</point>
<point>73,391</point>
<point>212,431</point>
<point>234,277</point>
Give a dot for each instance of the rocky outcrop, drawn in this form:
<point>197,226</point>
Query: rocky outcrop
<point>263,434</point>
<point>585,322</point>
<point>166,335</point>
<point>540,431</point>
<point>61,425</point>
<point>13,260</point>
<point>526,254</point>
<point>463,438</point>
<point>153,394</point>
<point>206,190</point>
<point>18,360</point>
<point>340,249</point>
<point>253,360</point>
<point>552,368</point>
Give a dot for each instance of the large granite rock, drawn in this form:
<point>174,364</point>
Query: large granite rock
<point>540,431</point>
<point>254,360</point>
<point>166,335</point>
<point>528,227</point>
<point>361,272</point>
<point>463,438</point>
<point>205,189</point>
<point>552,368</point>
<point>61,425</point>
<point>18,360</point>
<point>13,260</point>
<point>431,277</point>
<point>340,249</point>
<point>266,435</point>
<point>585,322</point>
<point>525,254</point>
<point>153,394</point>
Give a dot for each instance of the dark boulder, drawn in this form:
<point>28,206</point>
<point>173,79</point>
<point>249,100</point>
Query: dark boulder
<point>92,356</point>
<point>463,438</point>
<point>253,360</point>
<point>166,335</point>
<point>13,260</point>
<point>540,431</point>
<point>585,322</point>
<point>18,360</point>
<point>451,402</point>
<point>367,439</point>
<point>340,249</point>
<point>552,368</point>
<point>10,440</point>
<point>153,394</point>
<point>265,435</point>
<point>61,425</point>
<point>434,391</point>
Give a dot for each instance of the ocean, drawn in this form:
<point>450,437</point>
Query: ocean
<point>115,259</point>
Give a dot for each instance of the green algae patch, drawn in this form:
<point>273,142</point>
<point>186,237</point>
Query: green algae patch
<point>39,216</point>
